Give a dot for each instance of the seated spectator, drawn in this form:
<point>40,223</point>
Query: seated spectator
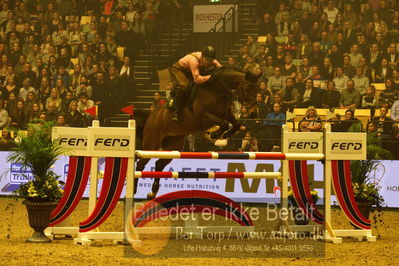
<point>355,55</point>
<point>348,121</point>
<point>247,123</point>
<point>261,106</point>
<point>331,96</point>
<point>74,78</point>
<point>384,124</point>
<point>277,98</point>
<point>316,56</point>
<point>375,56</point>
<point>253,46</point>
<point>3,115</point>
<point>84,104</point>
<point>267,25</point>
<point>395,79</point>
<point>325,43</point>
<point>6,141</point>
<point>389,95</point>
<point>305,68</point>
<point>395,111</point>
<point>259,57</point>
<point>30,100</point>
<point>19,118</point>
<point>327,70</point>
<point>52,112</point>
<point>366,68</point>
<point>158,101</point>
<point>271,129</point>
<point>250,65</point>
<point>311,96</point>
<point>311,122</point>
<point>84,87</point>
<point>304,47</point>
<point>316,77</point>
<point>361,82</point>
<point>10,87</point>
<point>43,117</point>
<point>73,117</point>
<point>34,112</point>
<point>350,97</point>
<point>249,143</point>
<point>290,94</point>
<point>66,101</point>
<point>369,101</point>
<point>348,68</point>
<point>10,103</point>
<point>279,55</point>
<point>232,62</point>
<point>340,80</point>
<point>62,76</point>
<point>23,92</point>
<point>288,67</point>
<point>300,82</point>
<point>276,82</point>
<point>392,55</point>
<point>61,121</point>
<point>55,99</point>
<point>383,72</point>
<point>372,128</point>
<point>276,117</point>
<point>244,53</point>
<point>61,88</point>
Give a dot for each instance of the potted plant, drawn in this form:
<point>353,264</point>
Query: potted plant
<point>36,153</point>
<point>299,217</point>
<point>365,186</point>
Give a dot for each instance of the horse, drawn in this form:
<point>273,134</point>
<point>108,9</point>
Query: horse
<point>212,106</point>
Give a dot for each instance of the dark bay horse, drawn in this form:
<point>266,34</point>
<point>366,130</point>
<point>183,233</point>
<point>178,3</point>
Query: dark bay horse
<point>212,106</point>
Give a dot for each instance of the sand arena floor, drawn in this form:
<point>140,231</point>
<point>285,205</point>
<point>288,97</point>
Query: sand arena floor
<point>14,229</point>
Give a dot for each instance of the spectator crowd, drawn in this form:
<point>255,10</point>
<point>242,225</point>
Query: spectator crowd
<point>59,58</point>
<point>325,54</point>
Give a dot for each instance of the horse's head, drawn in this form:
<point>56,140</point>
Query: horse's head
<point>243,86</point>
<point>247,92</point>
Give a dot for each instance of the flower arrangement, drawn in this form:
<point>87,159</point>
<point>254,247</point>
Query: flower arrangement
<point>367,192</point>
<point>292,201</point>
<point>36,151</point>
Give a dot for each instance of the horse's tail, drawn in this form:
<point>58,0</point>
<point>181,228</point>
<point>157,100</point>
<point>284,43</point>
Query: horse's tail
<point>141,117</point>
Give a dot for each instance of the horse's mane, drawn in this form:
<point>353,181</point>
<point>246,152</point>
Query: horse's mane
<point>219,70</point>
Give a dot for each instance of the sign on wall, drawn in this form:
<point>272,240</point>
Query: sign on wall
<point>206,16</point>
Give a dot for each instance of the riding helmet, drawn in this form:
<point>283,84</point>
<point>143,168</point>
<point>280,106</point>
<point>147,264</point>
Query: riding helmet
<point>209,52</point>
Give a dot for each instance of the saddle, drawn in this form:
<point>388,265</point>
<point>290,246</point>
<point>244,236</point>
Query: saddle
<point>190,95</point>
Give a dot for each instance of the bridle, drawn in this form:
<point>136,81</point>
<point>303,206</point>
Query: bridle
<point>230,91</point>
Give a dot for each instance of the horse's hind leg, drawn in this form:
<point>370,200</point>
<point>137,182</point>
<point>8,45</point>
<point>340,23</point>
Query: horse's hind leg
<point>140,167</point>
<point>159,166</point>
<point>169,143</point>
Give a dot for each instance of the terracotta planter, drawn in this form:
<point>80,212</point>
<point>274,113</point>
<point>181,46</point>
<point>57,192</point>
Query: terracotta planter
<point>39,218</point>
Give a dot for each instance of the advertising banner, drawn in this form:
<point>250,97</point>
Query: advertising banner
<point>206,16</point>
<point>242,190</point>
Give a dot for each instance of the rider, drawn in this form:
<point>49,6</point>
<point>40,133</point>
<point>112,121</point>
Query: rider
<point>189,69</point>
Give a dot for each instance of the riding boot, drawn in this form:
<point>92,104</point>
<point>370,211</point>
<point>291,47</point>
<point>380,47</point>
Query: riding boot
<point>178,105</point>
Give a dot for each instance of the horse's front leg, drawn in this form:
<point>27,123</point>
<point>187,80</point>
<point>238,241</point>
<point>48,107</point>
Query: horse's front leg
<point>233,121</point>
<point>215,124</point>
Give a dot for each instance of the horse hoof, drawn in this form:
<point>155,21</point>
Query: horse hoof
<point>151,195</point>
